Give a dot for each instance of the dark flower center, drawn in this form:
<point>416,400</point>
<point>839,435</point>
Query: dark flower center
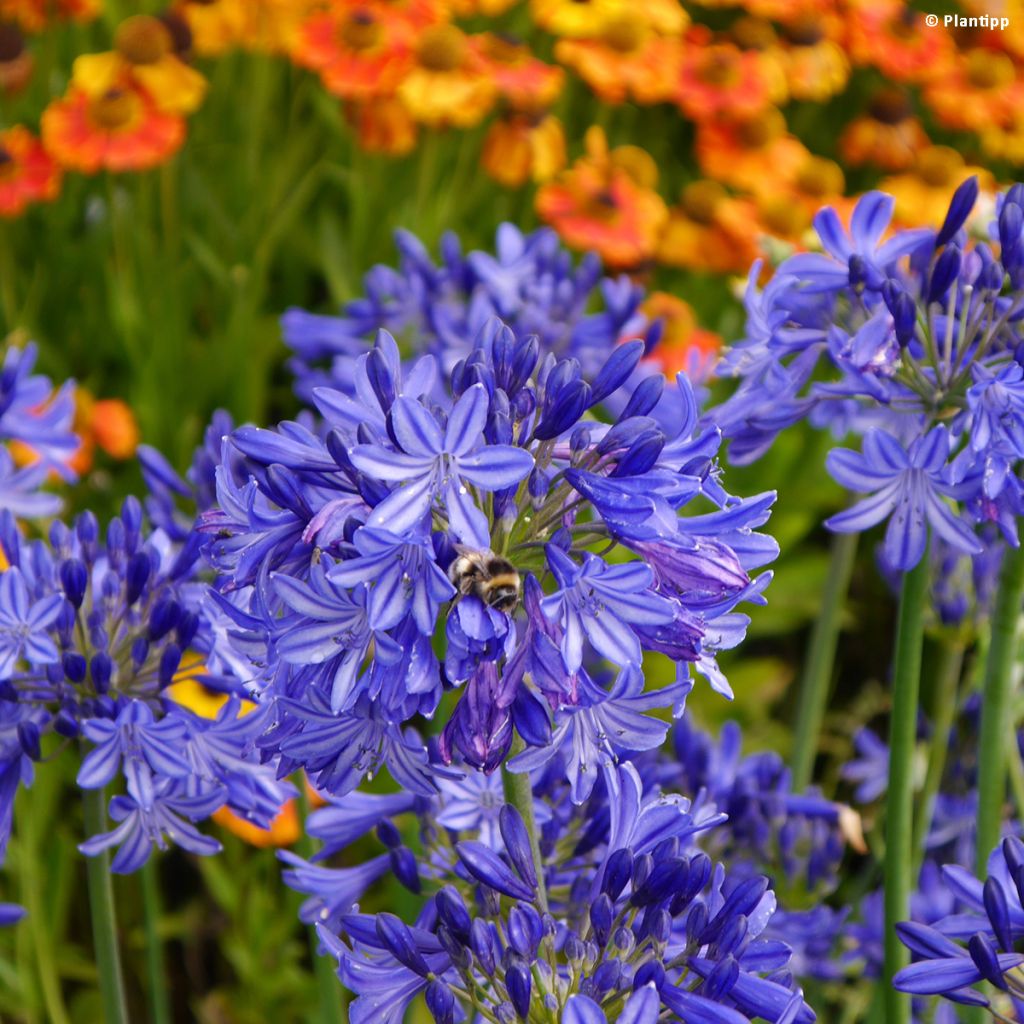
<point>12,43</point>
<point>361,31</point>
<point>701,200</point>
<point>114,109</point>
<point>142,39</point>
<point>938,165</point>
<point>890,106</point>
<point>442,48</point>
<point>623,33</point>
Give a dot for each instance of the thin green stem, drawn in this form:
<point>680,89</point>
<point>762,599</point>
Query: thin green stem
<point>816,681</point>
<point>331,1009</point>
<point>899,808</point>
<point>997,696</point>
<point>944,707</point>
<point>104,921</point>
<point>159,998</point>
<point>519,793</point>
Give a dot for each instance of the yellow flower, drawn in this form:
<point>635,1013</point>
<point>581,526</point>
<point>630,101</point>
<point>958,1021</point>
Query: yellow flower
<point>521,148</point>
<point>586,18</point>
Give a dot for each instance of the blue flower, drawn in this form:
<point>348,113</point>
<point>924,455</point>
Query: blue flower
<point>909,485</point>
<point>25,626</point>
<point>431,463</point>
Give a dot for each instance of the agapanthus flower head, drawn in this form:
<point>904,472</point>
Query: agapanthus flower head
<point>918,334</point>
<point>446,523</point>
<point>95,631</point>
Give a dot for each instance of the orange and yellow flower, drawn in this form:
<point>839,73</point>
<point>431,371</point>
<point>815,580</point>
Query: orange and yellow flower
<point>35,15</point>
<point>121,130</point>
<point>217,26</point>
<point>606,202</point>
<point>717,79</point>
<point>684,346</point>
<point>750,153</point>
<point>816,67</point>
<point>1005,141</point>
<point>710,230</point>
<point>627,60</point>
<point>787,209</point>
<point>922,195</point>
<point>894,38</point>
<point>523,147</point>
<point>586,18</point>
<point>982,87</point>
<point>143,56</point>
<point>448,84</point>
<point>360,53</point>
<point>887,136</point>
<point>523,80</point>
<point>27,172</point>
<point>106,423</point>
<point>383,125</point>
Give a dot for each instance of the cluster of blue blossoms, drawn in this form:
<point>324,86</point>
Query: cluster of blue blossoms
<point>913,344</point>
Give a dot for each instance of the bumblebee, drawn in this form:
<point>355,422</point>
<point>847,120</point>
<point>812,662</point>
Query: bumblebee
<point>491,578</point>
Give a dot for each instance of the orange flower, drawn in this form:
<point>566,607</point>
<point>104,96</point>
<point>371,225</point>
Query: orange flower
<point>981,88</point>
<point>684,347</point>
<point>717,79</point>
<point>121,130</point>
<point>448,84</point>
<point>710,230</point>
<point>887,136</point>
<point>523,80</point>
<point>1005,141</point>
<point>284,830</point>
<point>744,153</point>
<point>922,195</point>
<point>217,26</point>
<point>787,209</point>
<point>35,15</point>
<point>600,204</point>
<point>521,148</point>
<point>627,60</point>
<point>143,56</point>
<point>586,18</point>
<point>108,423</point>
<point>16,63</point>
<point>895,39</point>
<point>816,67</point>
<point>383,125</point>
<point>358,53</point>
<point>27,173</point>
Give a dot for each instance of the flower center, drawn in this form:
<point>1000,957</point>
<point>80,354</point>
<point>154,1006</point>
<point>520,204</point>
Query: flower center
<point>805,31</point>
<point>142,40</point>
<point>752,33</point>
<point>114,109</point>
<point>989,70</point>
<point>701,200</point>
<point>938,165</point>
<point>442,48</point>
<point>782,217</point>
<point>820,177</point>
<point>8,165</point>
<point>623,33</point>
<point>890,106</point>
<point>361,30</point>
<point>12,43</point>
<point>603,205</point>
<point>759,131</point>
<point>719,67</point>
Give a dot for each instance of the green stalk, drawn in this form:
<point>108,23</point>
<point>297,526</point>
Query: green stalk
<point>331,1009</point>
<point>943,712</point>
<point>104,922</point>
<point>899,806</point>
<point>159,1000</point>
<point>519,793</point>
<point>816,681</point>
<point>997,694</point>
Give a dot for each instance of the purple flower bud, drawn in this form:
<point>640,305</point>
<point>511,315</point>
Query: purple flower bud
<point>517,984</point>
<point>641,456</point>
<point>642,868</point>
<point>998,911</point>
<point>624,940</point>
<point>602,915</point>
<point>645,397</point>
<point>650,973</point>
<point>902,309</point>
<point>944,273</point>
<point>170,659</point>
<point>440,1002</point>
<point>606,977</point>
<point>617,873</point>
<point>573,950</point>
<point>451,909</point>
<point>405,867</point>
<point>696,923</point>
<point>517,842</point>
<point>660,925</point>
<point>531,719</point>
<point>188,626</point>
<point>65,724</point>
<point>75,666</point>
<point>732,936</point>
<point>960,207</point>
<point>28,739</point>
<point>481,940</point>
<point>616,370</point>
<point>131,516</point>
<point>136,576</point>
<point>140,651</point>
<point>721,979</point>
<point>163,618</point>
<point>563,411</point>
<point>74,578</point>
<point>8,691</point>
<point>100,670</point>
<point>984,955</point>
<point>524,930</point>
<point>460,956</point>
<point>395,935</point>
<point>388,834</point>
<point>116,541</point>
<point>88,529</point>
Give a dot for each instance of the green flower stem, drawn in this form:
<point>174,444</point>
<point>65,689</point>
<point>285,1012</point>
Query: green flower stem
<point>944,708</point>
<point>519,793</point>
<point>331,1007</point>
<point>816,681</point>
<point>899,806</point>
<point>104,922</point>
<point>996,703</point>
<point>156,975</point>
